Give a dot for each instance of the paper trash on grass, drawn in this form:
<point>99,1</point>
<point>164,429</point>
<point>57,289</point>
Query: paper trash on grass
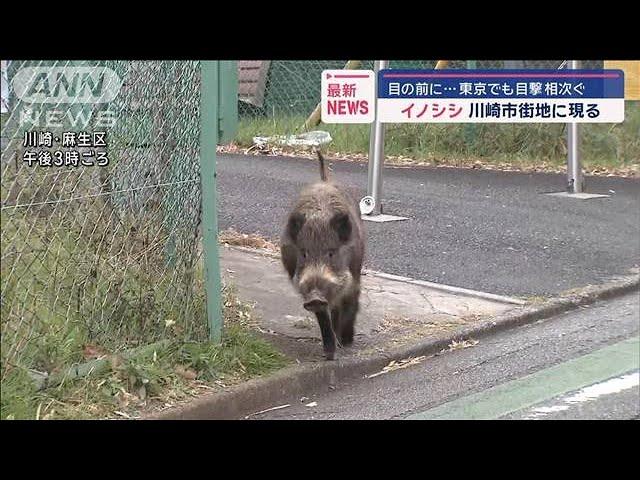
<point>310,139</point>
<point>4,95</point>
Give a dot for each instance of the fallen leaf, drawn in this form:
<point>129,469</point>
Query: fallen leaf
<point>92,351</point>
<point>268,410</point>
<point>186,372</point>
<point>142,393</point>
<point>461,344</point>
<point>116,361</point>
<point>394,365</point>
<point>50,415</point>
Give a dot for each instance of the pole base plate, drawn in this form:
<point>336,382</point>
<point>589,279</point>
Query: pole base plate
<point>383,218</point>
<point>579,196</point>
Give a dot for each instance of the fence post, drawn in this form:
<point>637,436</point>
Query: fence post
<point>575,182</point>
<point>470,129</point>
<point>208,141</point>
<point>376,149</point>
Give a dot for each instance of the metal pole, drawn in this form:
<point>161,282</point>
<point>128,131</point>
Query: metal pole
<point>209,80</point>
<point>376,150</point>
<point>470,129</point>
<point>575,182</point>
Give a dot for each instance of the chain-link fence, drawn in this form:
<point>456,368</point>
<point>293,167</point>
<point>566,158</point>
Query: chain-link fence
<point>100,209</point>
<point>283,94</point>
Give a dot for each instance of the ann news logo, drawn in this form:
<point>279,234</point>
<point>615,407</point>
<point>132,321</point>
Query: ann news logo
<point>52,94</point>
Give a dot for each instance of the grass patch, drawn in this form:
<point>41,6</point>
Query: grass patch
<point>66,287</point>
<point>154,380</point>
<point>90,279</point>
<point>604,146</point>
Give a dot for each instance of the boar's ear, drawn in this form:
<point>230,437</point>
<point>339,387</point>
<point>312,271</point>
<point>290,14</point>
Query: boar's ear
<point>296,221</point>
<point>342,225</point>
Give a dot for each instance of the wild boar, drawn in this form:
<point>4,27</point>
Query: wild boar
<point>322,250</point>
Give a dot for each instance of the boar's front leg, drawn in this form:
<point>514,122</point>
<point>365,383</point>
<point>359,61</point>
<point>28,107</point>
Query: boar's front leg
<point>350,309</point>
<point>328,337</point>
<point>336,323</point>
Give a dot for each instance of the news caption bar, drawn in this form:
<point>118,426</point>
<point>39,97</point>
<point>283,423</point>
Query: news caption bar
<point>473,96</point>
<point>501,96</point>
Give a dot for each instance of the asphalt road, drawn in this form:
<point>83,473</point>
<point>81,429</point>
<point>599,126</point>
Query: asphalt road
<point>580,365</point>
<point>483,230</point>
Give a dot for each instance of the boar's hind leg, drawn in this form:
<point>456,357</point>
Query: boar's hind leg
<point>328,338</point>
<point>350,309</point>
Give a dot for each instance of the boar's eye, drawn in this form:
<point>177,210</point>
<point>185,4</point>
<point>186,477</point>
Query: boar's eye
<point>303,252</point>
<point>294,225</point>
<point>331,252</point>
<point>342,225</point>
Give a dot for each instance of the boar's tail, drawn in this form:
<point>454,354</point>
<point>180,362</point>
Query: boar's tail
<point>323,167</point>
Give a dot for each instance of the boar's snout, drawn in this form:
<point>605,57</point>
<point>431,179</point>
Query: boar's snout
<point>315,302</point>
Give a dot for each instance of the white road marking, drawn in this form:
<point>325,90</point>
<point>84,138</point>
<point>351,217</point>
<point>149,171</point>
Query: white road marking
<point>590,393</point>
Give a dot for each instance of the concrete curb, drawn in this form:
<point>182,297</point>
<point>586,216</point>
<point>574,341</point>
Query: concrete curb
<point>308,379</point>
<point>447,288</point>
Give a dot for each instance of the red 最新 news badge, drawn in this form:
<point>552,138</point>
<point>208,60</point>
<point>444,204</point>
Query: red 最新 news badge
<point>348,96</point>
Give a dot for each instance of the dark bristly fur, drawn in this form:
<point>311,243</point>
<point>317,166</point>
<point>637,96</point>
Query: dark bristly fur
<point>322,249</point>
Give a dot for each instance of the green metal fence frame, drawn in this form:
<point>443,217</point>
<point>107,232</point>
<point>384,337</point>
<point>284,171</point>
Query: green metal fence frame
<point>218,123</point>
<point>208,141</point>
